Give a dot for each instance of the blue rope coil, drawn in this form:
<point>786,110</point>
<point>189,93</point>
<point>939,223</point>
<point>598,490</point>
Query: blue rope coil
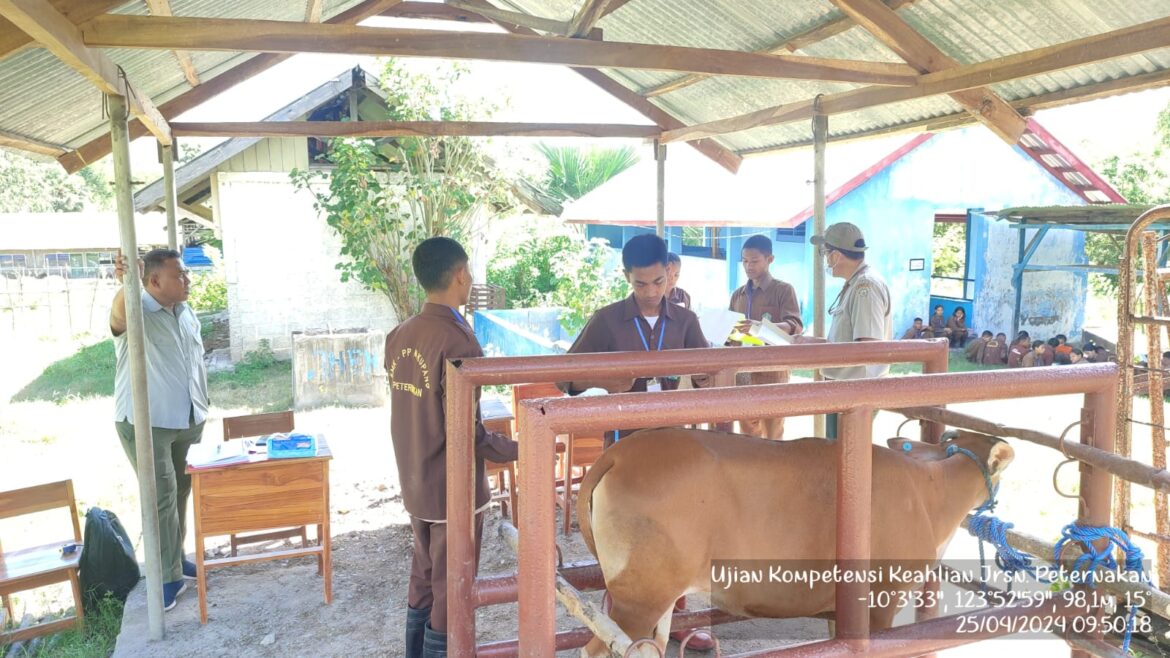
<point>1094,558</point>
<point>1011,560</point>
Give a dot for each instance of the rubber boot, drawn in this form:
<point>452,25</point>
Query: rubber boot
<point>416,623</point>
<point>434,644</point>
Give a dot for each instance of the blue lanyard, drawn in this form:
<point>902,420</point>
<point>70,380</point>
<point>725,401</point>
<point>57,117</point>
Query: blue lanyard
<point>749,296</point>
<point>642,335</point>
<point>457,316</point>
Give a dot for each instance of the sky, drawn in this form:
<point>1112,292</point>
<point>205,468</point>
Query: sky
<point>551,93</point>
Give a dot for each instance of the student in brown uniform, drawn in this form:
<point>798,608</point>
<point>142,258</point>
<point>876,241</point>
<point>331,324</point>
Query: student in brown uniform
<point>676,295</point>
<point>916,331</point>
<point>416,351</point>
<point>644,321</point>
<point>764,297</point>
<point>974,351</point>
<point>994,353</point>
<point>957,327</point>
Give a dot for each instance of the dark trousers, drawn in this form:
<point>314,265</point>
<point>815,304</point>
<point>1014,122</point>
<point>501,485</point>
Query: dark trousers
<point>428,568</point>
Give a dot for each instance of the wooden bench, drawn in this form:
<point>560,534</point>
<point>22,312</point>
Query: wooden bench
<point>39,566</point>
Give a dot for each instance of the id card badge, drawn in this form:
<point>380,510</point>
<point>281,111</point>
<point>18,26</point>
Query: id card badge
<point>654,386</point>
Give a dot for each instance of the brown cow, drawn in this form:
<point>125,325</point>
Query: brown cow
<point>660,507</point>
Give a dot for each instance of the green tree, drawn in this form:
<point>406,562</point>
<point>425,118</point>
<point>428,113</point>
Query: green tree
<point>574,172</point>
<point>1142,180</point>
<point>385,196</point>
<point>28,185</point>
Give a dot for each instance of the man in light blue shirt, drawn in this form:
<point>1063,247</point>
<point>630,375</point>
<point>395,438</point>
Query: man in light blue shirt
<point>176,382</point>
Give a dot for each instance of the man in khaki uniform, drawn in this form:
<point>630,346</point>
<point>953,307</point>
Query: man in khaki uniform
<point>764,297</point>
<point>862,310</point>
<point>416,353</point>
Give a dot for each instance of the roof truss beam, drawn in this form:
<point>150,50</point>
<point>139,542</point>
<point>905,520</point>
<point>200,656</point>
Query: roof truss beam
<point>14,39</point>
<point>586,17</point>
<point>1118,43</point>
<point>666,121</point>
<point>517,18</point>
<point>99,147</point>
<point>52,30</point>
<point>23,143</point>
<point>163,8</point>
<point>815,34</point>
<point>313,11</point>
<point>411,129</point>
<point>118,31</point>
<point>881,21</point>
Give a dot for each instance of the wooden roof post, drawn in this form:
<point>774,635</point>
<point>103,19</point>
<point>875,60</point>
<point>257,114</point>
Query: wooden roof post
<point>820,128</point>
<point>136,337</point>
<point>170,202</point>
<point>660,157</point>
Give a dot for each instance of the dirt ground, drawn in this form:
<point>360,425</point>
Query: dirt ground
<point>273,608</point>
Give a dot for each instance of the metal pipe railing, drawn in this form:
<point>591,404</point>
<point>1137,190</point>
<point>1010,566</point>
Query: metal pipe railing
<point>461,378</point>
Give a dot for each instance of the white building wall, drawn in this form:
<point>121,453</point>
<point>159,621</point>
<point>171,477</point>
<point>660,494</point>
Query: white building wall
<point>279,258</point>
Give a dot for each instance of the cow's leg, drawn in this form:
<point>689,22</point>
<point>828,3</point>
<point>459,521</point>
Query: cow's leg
<point>637,621</point>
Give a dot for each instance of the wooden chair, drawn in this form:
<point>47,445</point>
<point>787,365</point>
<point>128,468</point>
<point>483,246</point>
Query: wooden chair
<point>30,568</point>
<point>577,452</point>
<point>239,427</point>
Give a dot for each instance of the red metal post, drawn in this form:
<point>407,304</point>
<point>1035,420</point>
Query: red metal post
<point>460,414</point>
<point>537,559</point>
<point>1097,430</point>
<point>854,493</point>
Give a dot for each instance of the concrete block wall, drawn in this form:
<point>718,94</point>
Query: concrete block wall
<point>279,258</point>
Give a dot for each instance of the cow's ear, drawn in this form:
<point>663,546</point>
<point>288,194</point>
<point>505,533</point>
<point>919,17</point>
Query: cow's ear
<point>1001,455</point>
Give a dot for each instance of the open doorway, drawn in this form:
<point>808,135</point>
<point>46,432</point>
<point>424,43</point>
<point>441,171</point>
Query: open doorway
<point>949,250</point>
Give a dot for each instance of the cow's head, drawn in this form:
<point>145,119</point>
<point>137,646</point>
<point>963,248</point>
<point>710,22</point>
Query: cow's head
<point>994,453</point>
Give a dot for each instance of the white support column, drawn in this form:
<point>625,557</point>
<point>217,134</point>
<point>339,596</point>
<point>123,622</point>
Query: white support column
<point>820,133</point>
<point>170,202</point>
<point>136,337</point>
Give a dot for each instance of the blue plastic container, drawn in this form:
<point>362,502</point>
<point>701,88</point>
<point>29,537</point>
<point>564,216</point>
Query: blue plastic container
<point>291,445</point>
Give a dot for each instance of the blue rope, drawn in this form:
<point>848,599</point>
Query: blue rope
<point>1011,560</point>
<point>1093,558</point>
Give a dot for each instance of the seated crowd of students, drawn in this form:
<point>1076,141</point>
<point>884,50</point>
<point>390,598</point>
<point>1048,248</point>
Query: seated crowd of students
<point>994,349</point>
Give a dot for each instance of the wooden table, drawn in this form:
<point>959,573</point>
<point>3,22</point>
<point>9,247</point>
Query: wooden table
<point>261,495</point>
<point>496,417</point>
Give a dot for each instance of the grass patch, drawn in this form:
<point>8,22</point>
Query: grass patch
<point>259,382</point>
<point>956,362</point>
<point>89,372</point>
<point>95,640</point>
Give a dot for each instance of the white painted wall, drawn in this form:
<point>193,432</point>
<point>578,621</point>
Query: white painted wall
<point>279,258</point>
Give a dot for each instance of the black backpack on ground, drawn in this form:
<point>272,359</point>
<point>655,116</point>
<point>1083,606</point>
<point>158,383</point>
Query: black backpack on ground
<point>108,565</point>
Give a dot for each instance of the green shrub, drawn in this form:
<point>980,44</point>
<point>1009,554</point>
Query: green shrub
<point>208,292</point>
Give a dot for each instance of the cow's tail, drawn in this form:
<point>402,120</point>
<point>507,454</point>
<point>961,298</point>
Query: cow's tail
<point>585,497</point>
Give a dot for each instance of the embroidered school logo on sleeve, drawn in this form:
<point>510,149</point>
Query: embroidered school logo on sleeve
<point>410,372</point>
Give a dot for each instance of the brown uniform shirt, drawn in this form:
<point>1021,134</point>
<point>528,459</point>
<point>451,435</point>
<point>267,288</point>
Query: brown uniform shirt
<point>1016,356</point>
<point>993,353</point>
<point>937,324</point>
<point>680,297</point>
<point>913,334</point>
<point>613,329</point>
<point>416,353</point>
<point>974,351</point>
<point>774,297</point>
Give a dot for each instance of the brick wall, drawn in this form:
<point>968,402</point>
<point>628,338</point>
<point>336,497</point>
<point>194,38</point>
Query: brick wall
<point>279,261</point>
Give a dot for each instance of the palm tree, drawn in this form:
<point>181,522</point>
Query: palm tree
<point>574,172</point>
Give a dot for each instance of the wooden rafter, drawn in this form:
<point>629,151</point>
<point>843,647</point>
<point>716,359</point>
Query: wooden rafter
<point>586,17</point>
<point>881,21</point>
<point>313,11</point>
<point>121,31</point>
<point>14,39</point>
<point>515,18</point>
<point>99,147</point>
<point>24,143</point>
<point>815,34</point>
<point>53,31</point>
<point>1118,43</point>
<point>665,120</point>
<point>163,8</point>
<point>410,129</point>
<point>435,11</point>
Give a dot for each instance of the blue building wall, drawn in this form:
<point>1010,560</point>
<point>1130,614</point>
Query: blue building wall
<point>952,172</point>
<point>521,332</point>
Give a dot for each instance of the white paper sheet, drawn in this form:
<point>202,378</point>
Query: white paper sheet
<point>717,324</point>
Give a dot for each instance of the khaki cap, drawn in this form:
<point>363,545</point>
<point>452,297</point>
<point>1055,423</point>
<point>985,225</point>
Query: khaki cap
<point>842,236</point>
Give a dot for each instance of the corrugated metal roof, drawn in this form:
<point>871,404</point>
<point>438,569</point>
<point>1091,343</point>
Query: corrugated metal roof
<point>43,99</point>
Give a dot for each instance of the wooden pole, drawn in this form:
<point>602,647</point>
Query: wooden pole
<point>1151,283</point>
<point>820,134</point>
<point>136,338</point>
<point>660,157</point>
<point>170,202</point>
